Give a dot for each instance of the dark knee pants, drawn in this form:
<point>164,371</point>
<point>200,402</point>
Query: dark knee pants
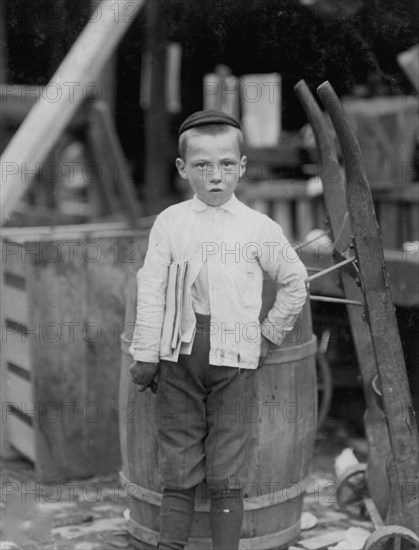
<point>203,432</point>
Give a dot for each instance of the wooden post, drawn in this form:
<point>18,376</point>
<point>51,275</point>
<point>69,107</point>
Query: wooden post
<point>73,81</point>
<point>3,70</point>
<point>3,45</point>
<point>156,191</point>
<point>107,77</point>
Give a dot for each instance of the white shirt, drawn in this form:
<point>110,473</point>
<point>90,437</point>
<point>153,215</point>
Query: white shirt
<point>236,244</point>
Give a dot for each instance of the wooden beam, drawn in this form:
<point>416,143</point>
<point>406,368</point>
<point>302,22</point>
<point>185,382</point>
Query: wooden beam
<point>72,83</point>
<point>4,61</point>
<point>107,78</point>
<point>109,155</point>
<point>156,189</point>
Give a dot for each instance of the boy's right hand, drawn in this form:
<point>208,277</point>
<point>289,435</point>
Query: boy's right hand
<point>143,375</point>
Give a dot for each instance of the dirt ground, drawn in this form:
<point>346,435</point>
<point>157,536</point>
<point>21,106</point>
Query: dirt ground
<point>91,514</point>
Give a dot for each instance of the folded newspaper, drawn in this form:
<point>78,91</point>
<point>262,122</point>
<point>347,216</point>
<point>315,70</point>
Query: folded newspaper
<point>172,336</point>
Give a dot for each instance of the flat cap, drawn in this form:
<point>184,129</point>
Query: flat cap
<point>200,118</point>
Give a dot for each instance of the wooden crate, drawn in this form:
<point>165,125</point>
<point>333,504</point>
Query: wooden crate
<point>387,129</point>
<point>397,212</point>
<point>288,203</point>
<point>63,301</point>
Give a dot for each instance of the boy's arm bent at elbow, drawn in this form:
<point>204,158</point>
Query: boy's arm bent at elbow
<point>151,296</point>
<point>285,267</point>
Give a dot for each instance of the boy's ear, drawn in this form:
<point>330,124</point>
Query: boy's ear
<point>180,165</point>
<point>243,163</point>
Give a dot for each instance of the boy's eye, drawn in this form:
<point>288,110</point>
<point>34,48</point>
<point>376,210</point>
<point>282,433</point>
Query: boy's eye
<point>201,165</point>
<point>229,164</point>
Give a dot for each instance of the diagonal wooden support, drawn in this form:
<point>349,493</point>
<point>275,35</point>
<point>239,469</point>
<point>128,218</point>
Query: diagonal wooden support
<point>46,121</point>
<point>108,153</point>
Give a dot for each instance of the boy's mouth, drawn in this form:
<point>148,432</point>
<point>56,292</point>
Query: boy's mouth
<point>216,190</point>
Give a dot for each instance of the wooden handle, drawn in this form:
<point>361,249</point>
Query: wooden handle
<point>316,119</point>
<point>352,157</point>
<point>330,172</point>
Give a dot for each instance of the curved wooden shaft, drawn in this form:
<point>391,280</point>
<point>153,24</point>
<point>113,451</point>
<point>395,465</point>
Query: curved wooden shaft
<point>330,172</point>
<point>387,347</point>
<point>379,450</point>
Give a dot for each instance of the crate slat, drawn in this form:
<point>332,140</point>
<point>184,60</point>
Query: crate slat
<point>14,303</point>
<point>19,391</point>
<point>21,437</point>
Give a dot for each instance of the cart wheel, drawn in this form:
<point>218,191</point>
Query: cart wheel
<point>351,491</point>
<point>324,386</point>
<point>392,537</point>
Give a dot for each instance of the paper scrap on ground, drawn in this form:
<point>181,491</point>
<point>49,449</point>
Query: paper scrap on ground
<point>355,538</point>
<point>308,521</point>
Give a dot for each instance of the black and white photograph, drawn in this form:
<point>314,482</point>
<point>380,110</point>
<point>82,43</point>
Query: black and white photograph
<point>209,274</point>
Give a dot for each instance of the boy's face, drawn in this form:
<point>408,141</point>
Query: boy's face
<point>212,166</point>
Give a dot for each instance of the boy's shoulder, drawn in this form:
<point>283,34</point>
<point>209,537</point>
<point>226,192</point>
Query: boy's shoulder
<point>175,210</point>
<point>256,216</point>
<point>181,209</point>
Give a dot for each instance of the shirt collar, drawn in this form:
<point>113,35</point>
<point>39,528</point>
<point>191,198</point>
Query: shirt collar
<point>232,205</point>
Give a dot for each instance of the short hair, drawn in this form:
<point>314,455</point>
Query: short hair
<point>211,130</point>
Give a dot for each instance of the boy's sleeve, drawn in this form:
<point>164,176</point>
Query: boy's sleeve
<point>282,263</point>
<point>151,295</point>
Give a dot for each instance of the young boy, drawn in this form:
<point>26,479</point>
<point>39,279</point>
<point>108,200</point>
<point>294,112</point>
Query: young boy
<point>227,246</point>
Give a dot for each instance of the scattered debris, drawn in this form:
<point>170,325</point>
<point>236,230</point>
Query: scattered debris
<point>7,545</point>
<point>355,538</point>
<point>322,541</point>
<point>98,526</point>
<point>74,519</point>
<point>345,460</point>
<point>308,521</point>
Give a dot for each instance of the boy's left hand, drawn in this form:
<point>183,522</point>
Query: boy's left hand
<point>143,375</point>
<point>264,350</point>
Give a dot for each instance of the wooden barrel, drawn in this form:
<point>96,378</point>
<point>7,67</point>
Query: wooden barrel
<point>283,416</point>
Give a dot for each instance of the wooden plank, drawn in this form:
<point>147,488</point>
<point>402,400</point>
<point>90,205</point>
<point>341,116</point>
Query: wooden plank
<point>42,127</point>
<point>4,57</point>
<point>157,133</point>
<point>107,78</point>
<point>28,236</point>
<point>60,368</point>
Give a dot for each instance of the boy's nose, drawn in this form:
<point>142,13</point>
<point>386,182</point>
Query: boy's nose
<point>214,173</point>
